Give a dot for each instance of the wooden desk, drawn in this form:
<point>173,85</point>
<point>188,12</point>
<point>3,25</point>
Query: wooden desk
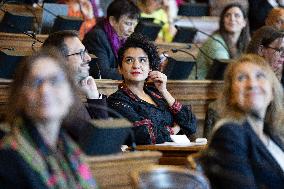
<point>113,171</point>
<point>207,24</point>
<point>180,56</point>
<point>172,155</point>
<point>23,9</point>
<point>198,94</point>
<point>20,42</point>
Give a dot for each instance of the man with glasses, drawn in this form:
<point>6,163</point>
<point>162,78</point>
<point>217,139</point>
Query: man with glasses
<point>70,46</point>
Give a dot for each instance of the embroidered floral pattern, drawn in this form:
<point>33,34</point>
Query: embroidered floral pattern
<point>176,107</point>
<point>149,126</point>
<point>61,169</point>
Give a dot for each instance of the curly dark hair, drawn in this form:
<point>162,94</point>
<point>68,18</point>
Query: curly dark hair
<point>118,8</point>
<point>137,40</point>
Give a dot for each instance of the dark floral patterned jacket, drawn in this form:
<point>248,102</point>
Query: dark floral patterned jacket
<point>152,124</point>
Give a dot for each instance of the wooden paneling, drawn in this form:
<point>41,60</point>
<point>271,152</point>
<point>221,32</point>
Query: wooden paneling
<point>195,93</point>
<point>113,171</point>
<point>173,155</point>
<point>198,94</point>
<point>21,42</point>
<point>22,9</point>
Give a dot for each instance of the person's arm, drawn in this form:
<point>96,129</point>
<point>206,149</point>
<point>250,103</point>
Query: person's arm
<point>143,127</point>
<point>227,163</point>
<point>183,115</point>
<point>97,43</point>
<point>97,108</point>
<point>96,102</point>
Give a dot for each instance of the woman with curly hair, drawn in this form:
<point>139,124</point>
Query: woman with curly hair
<point>152,109</point>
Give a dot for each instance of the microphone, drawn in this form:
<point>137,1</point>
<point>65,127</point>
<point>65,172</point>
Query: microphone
<point>174,50</point>
<point>212,37</point>
<point>208,35</point>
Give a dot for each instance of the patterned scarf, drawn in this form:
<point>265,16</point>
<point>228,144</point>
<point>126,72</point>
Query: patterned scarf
<point>112,36</point>
<point>61,168</point>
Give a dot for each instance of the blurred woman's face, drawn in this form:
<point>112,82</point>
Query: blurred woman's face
<point>124,27</point>
<point>135,65</point>
<point>47,93</point>
<point>234,20</point>
<point>274,54</point>
<point>251,88</point>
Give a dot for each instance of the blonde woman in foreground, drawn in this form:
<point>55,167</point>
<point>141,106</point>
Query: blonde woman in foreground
<point>246,149</point>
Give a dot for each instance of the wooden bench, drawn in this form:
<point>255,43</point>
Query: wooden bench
<point>113,171</point>
<point>20,42</point>
<point>198,94</point>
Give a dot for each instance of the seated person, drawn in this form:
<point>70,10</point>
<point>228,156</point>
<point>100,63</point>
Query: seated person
<point>84,10</point>
<point>229,41</point>
<point>267,42</point>
<point>36,152</point>
<point>152,109</point>
<point>247,146</point>
<point>154,9</point>
<point>77,59</point>
<point>109,34</point>
<point>258,11</point>
<point>275,18</point>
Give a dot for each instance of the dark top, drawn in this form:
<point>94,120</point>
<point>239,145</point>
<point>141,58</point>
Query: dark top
<point>26,161</point>
<point>77,121</point>
<point>258,10</point>
<point>97,43</point>
<point>152,124</point>
<point>237,158</point>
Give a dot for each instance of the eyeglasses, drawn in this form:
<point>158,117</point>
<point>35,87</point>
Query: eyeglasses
<point>54,81</point>
<point>278,50</point>
<point>82,53</point>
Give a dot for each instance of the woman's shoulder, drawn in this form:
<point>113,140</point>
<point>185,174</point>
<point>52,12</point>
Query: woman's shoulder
<point>216,40</point>
<point>227,125</point>
<point>118,95</point>
<point>96,32</point>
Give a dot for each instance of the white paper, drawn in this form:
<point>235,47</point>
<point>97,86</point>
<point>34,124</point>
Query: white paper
<point>180,139</point>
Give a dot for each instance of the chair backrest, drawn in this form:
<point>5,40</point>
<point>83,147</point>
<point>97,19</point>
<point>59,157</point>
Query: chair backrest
<point>16,23</point>
<point>162,177</point>
<point>49,15</point>
<point>8,63</point>
<point>217,69</point>
<point>148,28</point>
<point>184,34</point>
<point>113,171</point>
<point>194,9</point>
<point>178,70</point>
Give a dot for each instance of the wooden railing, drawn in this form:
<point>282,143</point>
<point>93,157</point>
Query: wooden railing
<point>20,42</point>
<point>198,94</point>
<point>113,171</point>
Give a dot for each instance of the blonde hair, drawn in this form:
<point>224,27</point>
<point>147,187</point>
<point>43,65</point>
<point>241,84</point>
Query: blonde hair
<point>275,111</point>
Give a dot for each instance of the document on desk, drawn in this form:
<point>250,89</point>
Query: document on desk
<point>182,140</point>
